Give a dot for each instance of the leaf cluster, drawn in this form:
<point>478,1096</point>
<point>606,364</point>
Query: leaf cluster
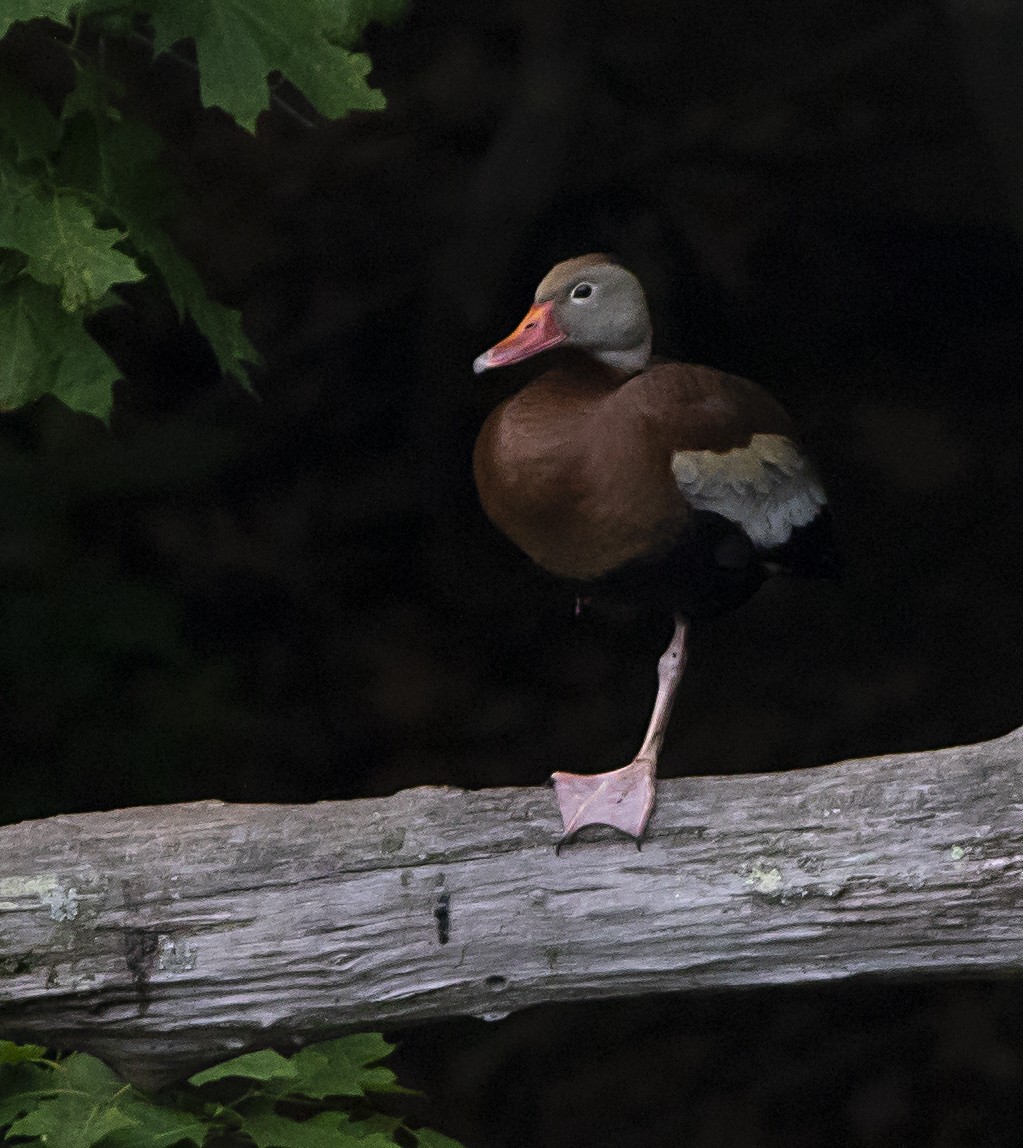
<point>86,203</point>
<point>324,1096</point>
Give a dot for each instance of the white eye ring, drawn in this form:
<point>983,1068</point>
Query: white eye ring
<point>581,292</point>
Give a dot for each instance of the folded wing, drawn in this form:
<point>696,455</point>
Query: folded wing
<point>767,487</point>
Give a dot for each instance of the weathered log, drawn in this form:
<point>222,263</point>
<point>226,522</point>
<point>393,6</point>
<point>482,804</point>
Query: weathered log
<point>165,938</point>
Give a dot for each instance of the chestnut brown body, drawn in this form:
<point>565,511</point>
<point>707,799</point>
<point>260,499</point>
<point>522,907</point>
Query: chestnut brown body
<point>576,468</point>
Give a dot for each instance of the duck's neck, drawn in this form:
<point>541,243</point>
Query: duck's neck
<point>630,361</point>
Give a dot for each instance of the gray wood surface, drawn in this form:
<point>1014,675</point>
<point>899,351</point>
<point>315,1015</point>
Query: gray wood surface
<point>165,938</point>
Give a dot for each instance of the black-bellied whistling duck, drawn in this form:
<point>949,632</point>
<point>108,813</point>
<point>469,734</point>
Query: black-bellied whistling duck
<point>660,481</point>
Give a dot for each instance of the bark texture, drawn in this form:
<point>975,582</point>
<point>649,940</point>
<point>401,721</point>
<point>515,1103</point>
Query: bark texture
<point>165,938</point>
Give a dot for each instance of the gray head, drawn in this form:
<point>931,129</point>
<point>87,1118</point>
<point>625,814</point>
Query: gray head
<point>590,302</point>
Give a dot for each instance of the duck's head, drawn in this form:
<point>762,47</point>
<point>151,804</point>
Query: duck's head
<point>591,303</point>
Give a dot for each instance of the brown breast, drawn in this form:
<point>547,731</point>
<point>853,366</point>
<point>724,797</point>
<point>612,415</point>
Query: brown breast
<point>576,468</point>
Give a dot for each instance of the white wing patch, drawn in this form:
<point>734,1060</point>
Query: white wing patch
<point>768,488</point>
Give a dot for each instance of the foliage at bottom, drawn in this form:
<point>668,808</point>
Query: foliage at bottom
<point>325,1096</point>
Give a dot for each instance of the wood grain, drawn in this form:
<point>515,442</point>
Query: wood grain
<point>166,938</point>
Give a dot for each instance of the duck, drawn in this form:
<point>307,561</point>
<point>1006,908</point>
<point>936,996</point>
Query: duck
<point>644,480</point>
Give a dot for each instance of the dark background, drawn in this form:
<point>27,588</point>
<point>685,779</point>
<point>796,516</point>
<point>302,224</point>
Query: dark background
<point>299,598</point>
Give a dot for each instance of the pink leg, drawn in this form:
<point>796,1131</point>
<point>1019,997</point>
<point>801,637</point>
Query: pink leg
<point>624,797</point>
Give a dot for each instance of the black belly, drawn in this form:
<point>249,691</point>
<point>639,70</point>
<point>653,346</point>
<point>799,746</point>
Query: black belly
<point>713,567</point>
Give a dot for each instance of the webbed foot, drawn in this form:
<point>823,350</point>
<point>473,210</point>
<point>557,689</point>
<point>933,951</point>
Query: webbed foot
<point>622,798</point>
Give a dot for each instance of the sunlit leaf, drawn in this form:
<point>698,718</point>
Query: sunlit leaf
<point>11,1053</point>
<point>344,1067</point>
<point>263,1065</point>
<point>325,1130</point>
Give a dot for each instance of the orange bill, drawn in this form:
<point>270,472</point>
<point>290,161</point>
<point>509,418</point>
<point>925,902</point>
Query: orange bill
<point>537,332</point>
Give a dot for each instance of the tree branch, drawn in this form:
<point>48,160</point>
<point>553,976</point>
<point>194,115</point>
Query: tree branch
<point>165,938</point>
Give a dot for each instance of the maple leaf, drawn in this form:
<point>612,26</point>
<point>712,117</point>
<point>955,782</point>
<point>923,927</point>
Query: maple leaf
<point>153,1126</point>
<point>326,1130</point>
<point>343,1067</point>
<point>239,43</point>
<point>428,1138</point>
<point>70,1121</point>
<point>29,123</point>
<point>11,1053</point>
<point>263,1065</point>
<point>60,237</point>
<point>47,349</point>
<point>118,161</point>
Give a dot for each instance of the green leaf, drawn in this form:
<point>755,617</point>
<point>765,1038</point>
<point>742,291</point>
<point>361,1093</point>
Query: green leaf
<point>27,120</point>
<point>118,161</point>
<point>240,42</point>
<point>12,265</point>
<point>383,1080</point>
<point>11,1107</point>
<point>95,92</point>
<point>43,349</point>
<point>29,316</point>
<point>156,1126</point>
<point>222,326</point>
<point>78,1104</point>
<point>22,1086</point>
<point>263,1065</point>
<point>60,237</point>
<point>14,11</point>
<point>318,1075</point>
<point>326,1130</point>
<point>94,8</point>
<point>11,1053</point>
<point>88,1074</point>
<point>343,1068</point>
<point>144,1121</point>
<point>428,1138</point>
<point>377,1122</point>
<point>81,1103</point>
<point>74,1121</point>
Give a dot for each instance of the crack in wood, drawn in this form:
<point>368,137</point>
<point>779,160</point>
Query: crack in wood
<point>140,949</point>
<point>442,913</point>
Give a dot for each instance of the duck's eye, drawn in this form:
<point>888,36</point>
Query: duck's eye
<point>582,291</point>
